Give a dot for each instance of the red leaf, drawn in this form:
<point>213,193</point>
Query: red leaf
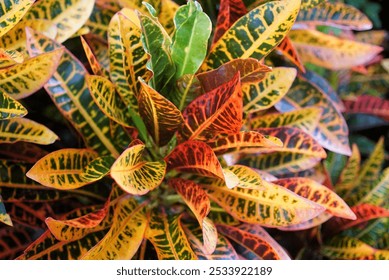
<point>287,49</point>
<point>368,104</point>
<point>229,12</point>
<point>195,157</point>
<point>216,112</point>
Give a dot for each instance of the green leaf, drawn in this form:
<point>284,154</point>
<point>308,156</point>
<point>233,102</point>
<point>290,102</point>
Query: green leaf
<point>99,20</point>
<point>346,180</point>
<point>309,4</point>
<point>11,12</point>
<point>126,234</point>
<point>10,108</point>
<point>67,15</point>
<point>21,129</point>
<point>135,175</point>
<point>190,40</point>
<point>254,35</point>
<point>167,235</point>
<point>157,44</point>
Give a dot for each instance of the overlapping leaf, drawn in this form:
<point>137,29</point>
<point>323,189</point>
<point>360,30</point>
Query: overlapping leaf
<point>335,14</point>
<point>266,93</point>
<point>216,112</point>
<point>67,16</point>
<point>275,206</point>
<point>255,34</point>
<point>4,217</point>
<point>21,80</point>
<point>367,104</point>
<point>10,108</point>
<point>288,50</point>
<point>318,193</point>
<point>167,235</point>
<point>136,175</point>
<point>21,129</point>
<point>312,223</point>
<point>63,169</point>
<point>97,69</point>
<point>166,15</point>
<point>309,4</point>
<point>9,58</point>
<point>162,118</point>
<point>22,152</point>
<point>68,90</point>
<point>331,52</point>
<point>126,234</point>
<point>21,237</point>
<point>99,20</point>
<point>347,177</point>
<point>11,12</point>
<point>332,131</point>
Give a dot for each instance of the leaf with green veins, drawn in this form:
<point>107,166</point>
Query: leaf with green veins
<point>190,40</point>
<point>10,108</point>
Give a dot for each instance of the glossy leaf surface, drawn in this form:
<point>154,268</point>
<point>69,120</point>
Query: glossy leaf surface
<point>11,12</point>
<point>10,108</point>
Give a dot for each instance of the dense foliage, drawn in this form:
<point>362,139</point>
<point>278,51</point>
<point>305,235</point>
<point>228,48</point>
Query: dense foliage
<point>198,130</point>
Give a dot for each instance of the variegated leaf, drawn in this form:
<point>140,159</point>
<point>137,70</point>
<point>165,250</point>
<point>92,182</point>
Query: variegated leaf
<point>167,235</point>
<point>11,12</point>
<point>367,104</point>
<point>248,177</point>
<point>331,52</point>
<point>126,234</point>
<point>332,131</point>
<point>262,233</point>
<point>10,108</point>
<point>21,236</point>
<point>10,57</point>
<point>4,216</point>
<point>69,92</point>
<point>309,4</point>
<point>138,5</point>
<point>21,80</point>
<point>244,142</point>
<point>219,216</point>
<point>266,93</point>
<point>319,194</point>
<point>288,50</point>
<point>135,175</point>
<point>255,34</point>
<point>275,206</point>
<point>22,152</point>
<point>21,129</point>
<point>224,250</point>
<point>195,157</point>
<point>216,112</point>
<point>347,177</point>
<point>377,195</point>
<point>249,244</point>
<point>104,94</point>
<point>99,20</point>
<point>162,118</point>
<point>335,14</point>
<point>250,70</point>
<point>315,222</point>
<point>166,15</point>
<point>279,163</point>
<point>97,69</point>
<point>100,49</point>
<point>67,15</point>
<point>63,169</point>
<point>305,119</point>
<point>127,57</point>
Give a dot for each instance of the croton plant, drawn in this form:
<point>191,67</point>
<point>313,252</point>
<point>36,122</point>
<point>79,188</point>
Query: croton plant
<point>207,129</point>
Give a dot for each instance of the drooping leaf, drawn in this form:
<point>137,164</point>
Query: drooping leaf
<point>21,80</point>
<point>127,57</point>
<point>275,206</point>
<point>318,193</point>
<point>190,39</point>
<point>262,233</point>
<point>167,235</point>
<point>266,93</point>
<point>294,141</point>
<point>104,94</point>
<point>224,250</point>
<point>332,131</point>
<point>135,175</point>
<point>229,12</point>
<point>63,169</point>
<point>331,52</point>
<point>67,15</point>
<point>156,43</point>
<point>335,14</point>
<point>126,234</point>
<point>216,112</point>
<point>250,244</point>
<point>255,34</point>
<point>279,163</point>
<point>22,129</point>
<point>244,142</point>
<point>69,92</point>
<point>250,69</point>
<point>11,12</point>
<point>162,117</point>
<point>305,119</point>
<point>195,157</point>
<point>288,50</point>
<point>4,216</point>
<point>10,108</point>
<point>367,104</point>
